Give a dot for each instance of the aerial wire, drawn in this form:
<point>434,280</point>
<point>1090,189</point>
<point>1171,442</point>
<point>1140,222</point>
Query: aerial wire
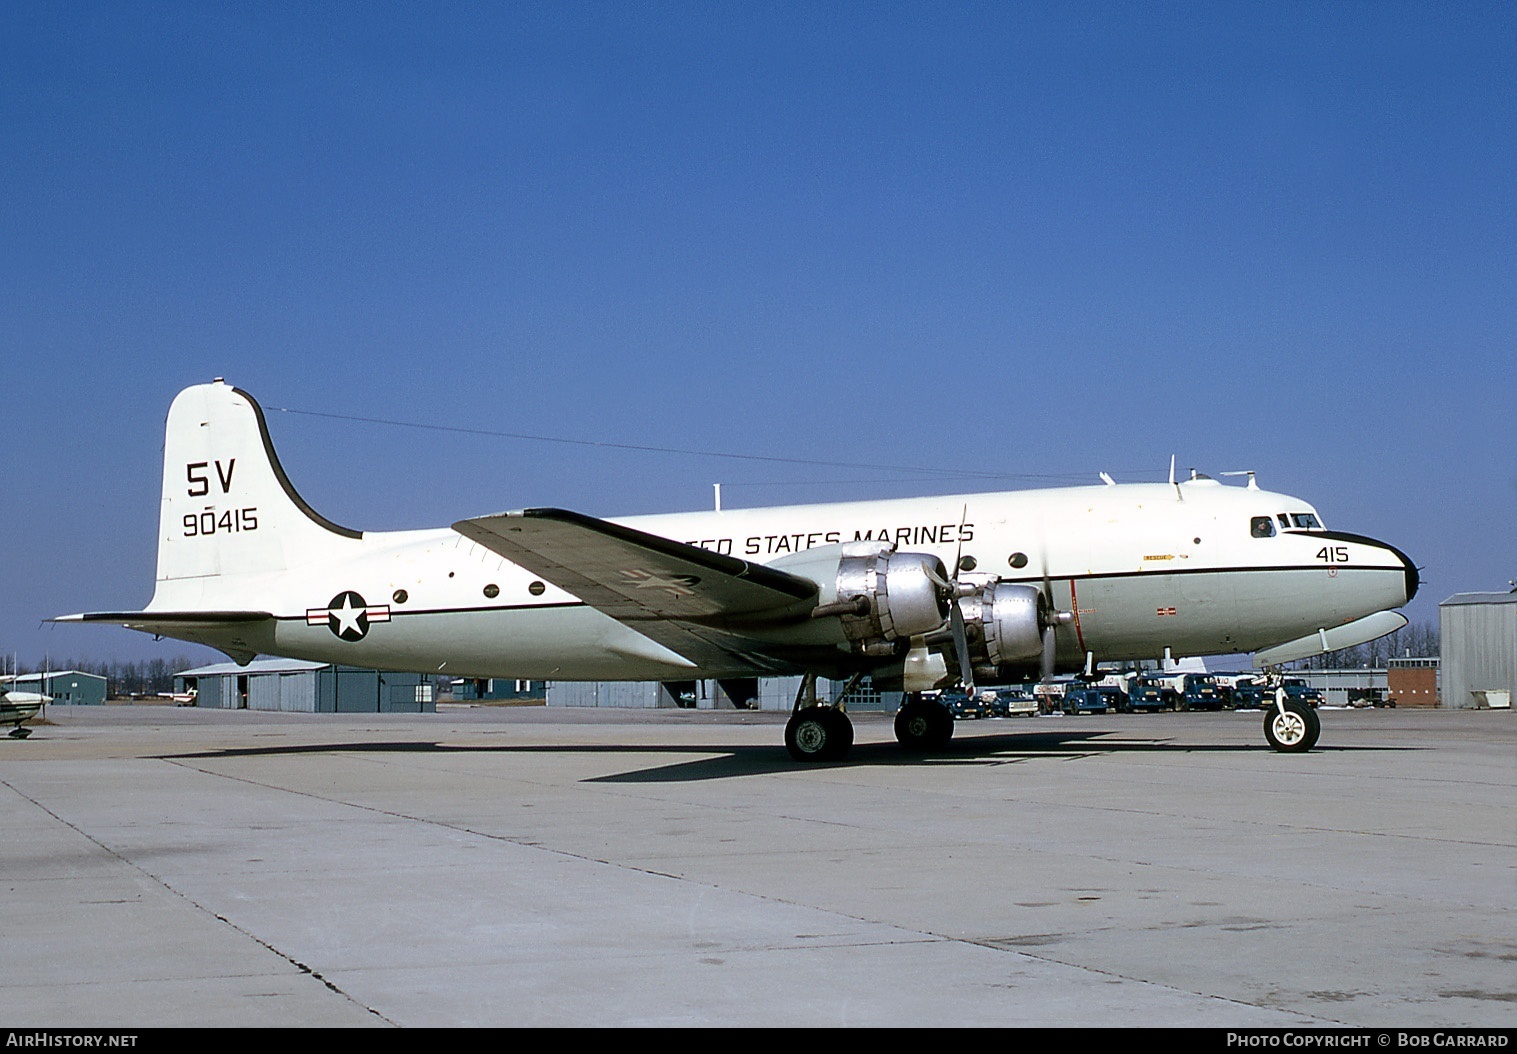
<point>954,472</point>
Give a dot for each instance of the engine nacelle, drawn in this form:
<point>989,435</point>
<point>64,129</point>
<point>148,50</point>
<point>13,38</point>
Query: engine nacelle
<point>904,599</point>
<point>1003,623</point>
<point>879,596</point>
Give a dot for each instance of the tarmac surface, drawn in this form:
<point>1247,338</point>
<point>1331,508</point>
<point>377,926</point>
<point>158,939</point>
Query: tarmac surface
<point>495,866</point>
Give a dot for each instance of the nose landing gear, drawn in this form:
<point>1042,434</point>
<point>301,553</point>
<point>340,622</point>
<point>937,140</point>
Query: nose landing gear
<point>1291,726</point>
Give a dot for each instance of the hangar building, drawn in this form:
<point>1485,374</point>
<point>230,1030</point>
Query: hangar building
<point>1479,661</point>
<point>307,687</point>
<point>740,693</point>
<point>67,687</point>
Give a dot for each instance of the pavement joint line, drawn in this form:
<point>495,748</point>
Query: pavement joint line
<point>163,884</point>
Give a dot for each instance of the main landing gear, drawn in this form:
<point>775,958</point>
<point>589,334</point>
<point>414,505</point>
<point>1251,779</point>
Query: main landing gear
<point>819,731</point>
<point>923,724</point>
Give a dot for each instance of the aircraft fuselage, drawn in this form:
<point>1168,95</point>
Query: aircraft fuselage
<point>1141,568</point>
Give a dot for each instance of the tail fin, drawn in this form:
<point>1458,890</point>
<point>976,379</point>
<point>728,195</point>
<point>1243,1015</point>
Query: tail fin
<point>229,510</point>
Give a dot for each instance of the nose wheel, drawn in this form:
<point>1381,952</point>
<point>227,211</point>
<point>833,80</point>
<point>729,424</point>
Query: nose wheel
<point>1291,727</point>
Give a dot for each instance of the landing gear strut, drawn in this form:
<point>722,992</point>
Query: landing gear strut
<point>819,731</point>
<point>923,724</point>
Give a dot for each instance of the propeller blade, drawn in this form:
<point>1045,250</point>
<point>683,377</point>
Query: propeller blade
<point>946,587</point>
<point>1050,645</point>
<point>1047,582</point>
<point>958,553</point>
<point>961,647</point>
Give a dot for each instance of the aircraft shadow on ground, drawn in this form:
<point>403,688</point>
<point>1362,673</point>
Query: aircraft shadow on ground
<point>726,762</point>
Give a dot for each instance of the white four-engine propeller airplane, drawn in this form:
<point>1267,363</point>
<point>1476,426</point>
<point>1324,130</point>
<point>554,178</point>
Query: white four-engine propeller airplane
<point>919,594</point>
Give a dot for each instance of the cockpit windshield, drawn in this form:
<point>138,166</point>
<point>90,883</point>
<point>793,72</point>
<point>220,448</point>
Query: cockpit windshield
<point>1306,521</point>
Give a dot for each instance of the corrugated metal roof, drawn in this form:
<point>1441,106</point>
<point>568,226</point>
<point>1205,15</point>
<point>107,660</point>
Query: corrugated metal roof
<point>1481,598</point>
<point>256,666</point>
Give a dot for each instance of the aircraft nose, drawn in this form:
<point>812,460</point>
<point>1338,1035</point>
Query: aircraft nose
<point>1413,580</point>
<point>1397,572</point>
<point>1410,578</point>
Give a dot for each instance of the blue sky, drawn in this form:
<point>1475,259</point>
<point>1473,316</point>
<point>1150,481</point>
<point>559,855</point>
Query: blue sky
<point>1036,240</point>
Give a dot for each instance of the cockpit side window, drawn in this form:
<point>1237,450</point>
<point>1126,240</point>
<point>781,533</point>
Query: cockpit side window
<point>1285,521</point>
<point>1306,521</point>
<point>1262,527</point>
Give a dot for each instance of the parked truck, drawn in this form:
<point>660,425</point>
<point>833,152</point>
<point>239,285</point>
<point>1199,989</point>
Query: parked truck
<point>1202,692</point>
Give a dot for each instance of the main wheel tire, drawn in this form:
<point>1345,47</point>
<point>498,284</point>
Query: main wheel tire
<point>921,725</point>
<point>913,725</point>
<point>1293,732</point>
<point>819,733</point>
<point>842,733</point>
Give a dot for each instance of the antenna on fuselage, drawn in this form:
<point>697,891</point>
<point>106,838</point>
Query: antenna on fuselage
<point>1253,484</point>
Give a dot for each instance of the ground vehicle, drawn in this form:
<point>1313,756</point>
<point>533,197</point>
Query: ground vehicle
<point>1251,695</point>
<point>1050,696</point>
<point>1151,688</point>
<point>1303,692</point>
<point>1015,703</point>
<point>1091,700</point>
<point>1257,695</point>
<point>1146,696</point>
<point>964,706</point>
<point>1202,692</point>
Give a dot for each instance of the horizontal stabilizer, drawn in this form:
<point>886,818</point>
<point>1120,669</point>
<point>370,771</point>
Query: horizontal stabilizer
<point>140,619</point>
<point>1360,631</point>
<point>241,635</point>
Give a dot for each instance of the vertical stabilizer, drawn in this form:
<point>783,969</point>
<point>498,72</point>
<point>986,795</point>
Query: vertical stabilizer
<point>229,511</point>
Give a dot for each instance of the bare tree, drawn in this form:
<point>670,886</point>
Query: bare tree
<point>1418,639</point>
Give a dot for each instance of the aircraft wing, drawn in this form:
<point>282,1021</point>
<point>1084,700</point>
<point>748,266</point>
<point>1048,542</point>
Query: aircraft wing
<point>689,599</point>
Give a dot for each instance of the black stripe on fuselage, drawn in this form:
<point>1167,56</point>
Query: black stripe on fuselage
<point>462,611</point>
<point>1091,577</point>
<point>1096,576</point>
